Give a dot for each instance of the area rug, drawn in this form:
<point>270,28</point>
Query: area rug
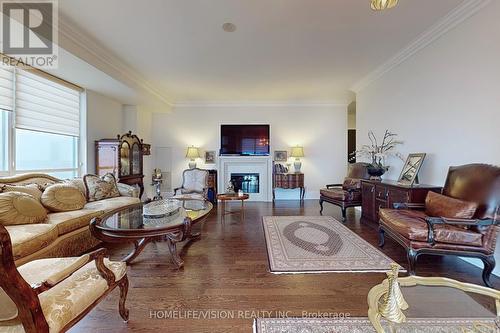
<point>318,244</point>
<point>363,325</point>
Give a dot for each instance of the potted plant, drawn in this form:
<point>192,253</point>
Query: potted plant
<point>378,153</point>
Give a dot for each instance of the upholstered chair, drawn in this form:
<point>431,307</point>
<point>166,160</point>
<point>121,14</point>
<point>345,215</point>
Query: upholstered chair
<point>347,194</point>
<point>462,221</point>
<point>194,184</point>
<point>52,295</point>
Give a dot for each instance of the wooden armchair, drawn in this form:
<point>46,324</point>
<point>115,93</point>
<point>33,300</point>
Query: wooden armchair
<point>194,184</point>
<point>421,231</point>
<point>347,194</point>
<point>52,295</point>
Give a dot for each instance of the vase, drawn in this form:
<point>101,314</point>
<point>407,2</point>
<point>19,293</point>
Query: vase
<point>376,172</point>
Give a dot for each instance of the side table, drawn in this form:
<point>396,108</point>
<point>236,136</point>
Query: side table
<point>224,197</point>
<point>289,181</point>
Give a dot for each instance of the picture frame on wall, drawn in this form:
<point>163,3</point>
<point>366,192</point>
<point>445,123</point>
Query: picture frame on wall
<point>409,173</point>
<point>210,157</point>
<point>280,155</point>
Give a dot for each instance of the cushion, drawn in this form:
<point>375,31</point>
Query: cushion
<point>99,188</point>
<point>65,301</point>
<point>351,184</point>
<point>442,206</point>
<point>63,198</point>
<point>69,221</point>
<point>30,238</point>
<point>108,205</point>
<point>31,189</point>
<point>78,183</point>
<point>340,194</point>
<point>20,208</point>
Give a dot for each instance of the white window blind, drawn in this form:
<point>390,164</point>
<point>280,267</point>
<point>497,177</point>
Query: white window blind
<point>46,106</point>
<point>6,87</point>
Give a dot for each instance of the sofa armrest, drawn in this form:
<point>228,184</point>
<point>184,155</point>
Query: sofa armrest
<point>406,205</point>
<point>333,185</point>
<point>127,190</point>
<point>432,221</point>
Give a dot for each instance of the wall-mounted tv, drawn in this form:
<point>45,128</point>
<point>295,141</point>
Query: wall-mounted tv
<point>244,140</point>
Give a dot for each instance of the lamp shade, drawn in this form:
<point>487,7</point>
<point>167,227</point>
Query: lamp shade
<point>193,152</point>
<point>297,151</point>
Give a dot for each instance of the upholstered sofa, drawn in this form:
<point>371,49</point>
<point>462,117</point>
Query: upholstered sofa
<point>62,234</point>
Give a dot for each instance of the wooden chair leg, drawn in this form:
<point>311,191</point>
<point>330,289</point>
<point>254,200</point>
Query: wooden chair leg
<point>321,205</point>
<point>412,261</point>
<point>381,237</point>
<point>344,214</point>
<point>489,266</point>
<point>123,285</point>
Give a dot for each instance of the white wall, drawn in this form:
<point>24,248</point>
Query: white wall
<point>444,101</point>
<point>321,130</point>
<point>104,121</point>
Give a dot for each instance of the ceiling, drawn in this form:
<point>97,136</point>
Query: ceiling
<point>282,50</point>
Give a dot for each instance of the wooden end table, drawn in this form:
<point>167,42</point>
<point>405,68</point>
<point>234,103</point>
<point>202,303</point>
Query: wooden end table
<point>224,197</point>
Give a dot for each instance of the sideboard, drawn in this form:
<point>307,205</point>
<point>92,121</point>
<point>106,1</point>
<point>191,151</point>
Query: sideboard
<point>289,181</point>
<point>383,194</point>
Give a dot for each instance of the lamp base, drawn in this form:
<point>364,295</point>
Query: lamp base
<point>297,165</point>
<point>192,165</point>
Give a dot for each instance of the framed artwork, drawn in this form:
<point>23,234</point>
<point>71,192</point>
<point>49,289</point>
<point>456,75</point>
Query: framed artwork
<point>280,155</point>
<point>411,168</point>
<point>210,157</point>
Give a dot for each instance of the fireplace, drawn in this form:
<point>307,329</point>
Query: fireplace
<point>247,182</point>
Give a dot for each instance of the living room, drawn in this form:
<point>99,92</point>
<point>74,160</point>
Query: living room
<point>249,166</point>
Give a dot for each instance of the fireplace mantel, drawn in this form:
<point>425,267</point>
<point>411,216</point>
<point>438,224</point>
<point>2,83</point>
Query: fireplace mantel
<point>247,164</point>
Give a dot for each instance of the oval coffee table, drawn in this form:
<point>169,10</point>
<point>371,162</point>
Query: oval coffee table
<point>128,224</point>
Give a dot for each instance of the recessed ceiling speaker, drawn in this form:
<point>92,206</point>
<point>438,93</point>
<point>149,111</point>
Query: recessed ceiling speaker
<point>229,27</point>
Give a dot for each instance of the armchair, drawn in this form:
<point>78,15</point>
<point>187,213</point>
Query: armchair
<point>194,184</point>
<point>419,231</point>
<point>52,295</point>
<point>347,194</point>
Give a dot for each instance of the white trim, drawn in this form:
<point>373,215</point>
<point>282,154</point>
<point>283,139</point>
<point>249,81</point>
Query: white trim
<point>235,104</point>
<point>106,59</point>
<point>458,15</point>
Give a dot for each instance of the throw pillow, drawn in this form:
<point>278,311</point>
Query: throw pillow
<point>31,189</point>
<point>20,208</point>
<point>351,184</point>
<point>78,183</point>
<point>100,188</point>
<point>63,198</point>
<point>442,206</point>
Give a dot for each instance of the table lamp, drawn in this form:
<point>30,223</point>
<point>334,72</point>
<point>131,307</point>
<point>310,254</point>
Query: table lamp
<point>297,152</point>
<point>192,153</point>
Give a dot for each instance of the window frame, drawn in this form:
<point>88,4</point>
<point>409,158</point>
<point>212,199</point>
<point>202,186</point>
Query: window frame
<point>11,135</point>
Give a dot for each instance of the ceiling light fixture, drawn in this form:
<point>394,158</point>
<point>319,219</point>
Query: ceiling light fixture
<point>229,27</point>
<point>383,4</point>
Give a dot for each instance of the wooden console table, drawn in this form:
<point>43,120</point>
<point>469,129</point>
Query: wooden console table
<point>383,194</point>
<point>289,181</point>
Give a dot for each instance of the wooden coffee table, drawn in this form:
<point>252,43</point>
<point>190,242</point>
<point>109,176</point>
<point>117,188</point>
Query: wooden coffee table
<point>129,225</point>
<point>224,197</point>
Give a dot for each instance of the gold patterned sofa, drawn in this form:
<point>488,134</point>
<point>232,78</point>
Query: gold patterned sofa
<point>62,234</point>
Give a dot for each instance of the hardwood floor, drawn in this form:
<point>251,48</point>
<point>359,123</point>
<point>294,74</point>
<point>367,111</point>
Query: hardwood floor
<point>226,273</point>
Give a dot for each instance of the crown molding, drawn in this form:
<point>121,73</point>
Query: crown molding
<point>458,15</point>
<point>91,51</point>
<point>278,104</point>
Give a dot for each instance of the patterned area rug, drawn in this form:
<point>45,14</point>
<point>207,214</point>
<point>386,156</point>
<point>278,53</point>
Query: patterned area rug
<point>363,325</point>
<point>317,244</point>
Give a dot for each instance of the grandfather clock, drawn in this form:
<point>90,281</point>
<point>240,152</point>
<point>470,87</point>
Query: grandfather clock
<point>123,157</point>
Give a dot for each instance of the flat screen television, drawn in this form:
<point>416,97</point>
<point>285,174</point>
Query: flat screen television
<point>244,140</point>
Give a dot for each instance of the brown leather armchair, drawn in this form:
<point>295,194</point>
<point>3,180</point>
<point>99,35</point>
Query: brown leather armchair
<point>412,226</point>
<point>347,194</point>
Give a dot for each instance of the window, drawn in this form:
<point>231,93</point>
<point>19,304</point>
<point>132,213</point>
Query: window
<point>45,113</point>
